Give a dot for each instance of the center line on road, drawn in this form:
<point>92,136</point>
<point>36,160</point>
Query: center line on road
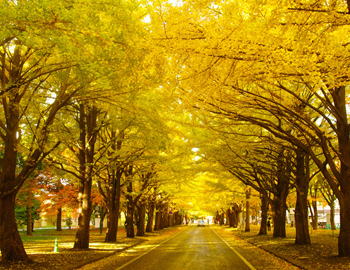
<point>235,251</point>
<point>121,267</point>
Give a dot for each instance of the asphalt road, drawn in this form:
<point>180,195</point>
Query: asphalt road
<point>194,248</point>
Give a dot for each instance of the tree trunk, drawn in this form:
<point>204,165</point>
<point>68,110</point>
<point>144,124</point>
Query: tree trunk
<point>166,215</point>
<point>11,244</point>
<point>228,217</point>
<point>130,212</point>
<point>113,205</point>
<point>83,231</point>
<point>112,199</point>
<point>102,217</point>
<point>279,220</point>
<point>175,218</point>
<point>302,235</point>
<point>112,226</point>
<point>172,220</point>
<point>232,218</point>
<point>59,210</point>
<point>280,208</point>
<point>279,204</point>
<point>332,216</point>
<point>158,216</point>
<point>59,219</point>
<point>343,193</point>
<point>236,209</point>
<point>142,218</point>
<point>150,217</point>
<point>247,216</point>
<point>29,219</point>
<point>130,224</point>
<point>80,234</point>
<point>263,224</point>
<point>162,216</point>
<point>315,215</point>
<point>344,233</point>
<point>227,222</point>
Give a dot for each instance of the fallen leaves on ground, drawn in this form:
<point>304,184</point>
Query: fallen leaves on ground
<point>40,249</point>
<point>321,254</point>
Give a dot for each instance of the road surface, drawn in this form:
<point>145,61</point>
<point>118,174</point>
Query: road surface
<point>194,248</point>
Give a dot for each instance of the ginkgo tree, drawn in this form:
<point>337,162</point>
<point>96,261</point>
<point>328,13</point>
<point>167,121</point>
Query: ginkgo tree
<point>51,52</point>
<point>280,65</point>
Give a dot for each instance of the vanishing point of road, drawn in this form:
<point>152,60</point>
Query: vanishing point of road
<point>202,248</point>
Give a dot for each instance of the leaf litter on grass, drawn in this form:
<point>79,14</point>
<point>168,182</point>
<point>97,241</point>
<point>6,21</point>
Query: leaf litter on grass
<point>321,254</point>
<point>257,257</point>
<point>40,249</point>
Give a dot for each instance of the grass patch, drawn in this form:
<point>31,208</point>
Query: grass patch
<point>41,245</point>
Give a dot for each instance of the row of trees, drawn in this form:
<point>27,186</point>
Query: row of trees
<point>270,83</point>
<point>98,90</point>
<point>80,92</point>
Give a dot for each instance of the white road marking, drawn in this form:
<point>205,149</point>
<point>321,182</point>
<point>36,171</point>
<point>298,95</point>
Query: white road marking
<point>121,267</point>
<point>235,251</point>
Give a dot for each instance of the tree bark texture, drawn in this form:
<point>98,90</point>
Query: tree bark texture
<point>112,226</point>
<point>162,218</point>
<point>281,192</point>
<point>150,214</point>
<point>166,215</point>
<point>340,187</point>
<point>344,234</point>
<point>313,211</point>
<point>113,205</point>
<point>142,220</point>
<point>158,216</point>
<point>175,218</point>
<point>171,220</point>
<point>59,210</point>
<point>87,134</point>
<point>231,218</point>
<point>113,188</point>
<point>263,224</point>
<point>302,235</point>
<point>247,217</point>
<point>333,215</point>
<point>236,209</point>
<point>11,244</point>
<point>59,219</point>
<point>228,217</point>
<point>29,219</point>
<point>315,215</point>
<point>83,230</point>
<point>130,212</point>
<point>280,208</point>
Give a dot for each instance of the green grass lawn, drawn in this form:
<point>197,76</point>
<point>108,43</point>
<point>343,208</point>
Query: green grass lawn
<point>40,248</point>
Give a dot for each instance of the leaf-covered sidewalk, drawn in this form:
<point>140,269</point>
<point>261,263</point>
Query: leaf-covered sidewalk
<point>320,254</point>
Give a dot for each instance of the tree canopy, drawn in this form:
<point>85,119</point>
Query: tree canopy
<point>187,104</point>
